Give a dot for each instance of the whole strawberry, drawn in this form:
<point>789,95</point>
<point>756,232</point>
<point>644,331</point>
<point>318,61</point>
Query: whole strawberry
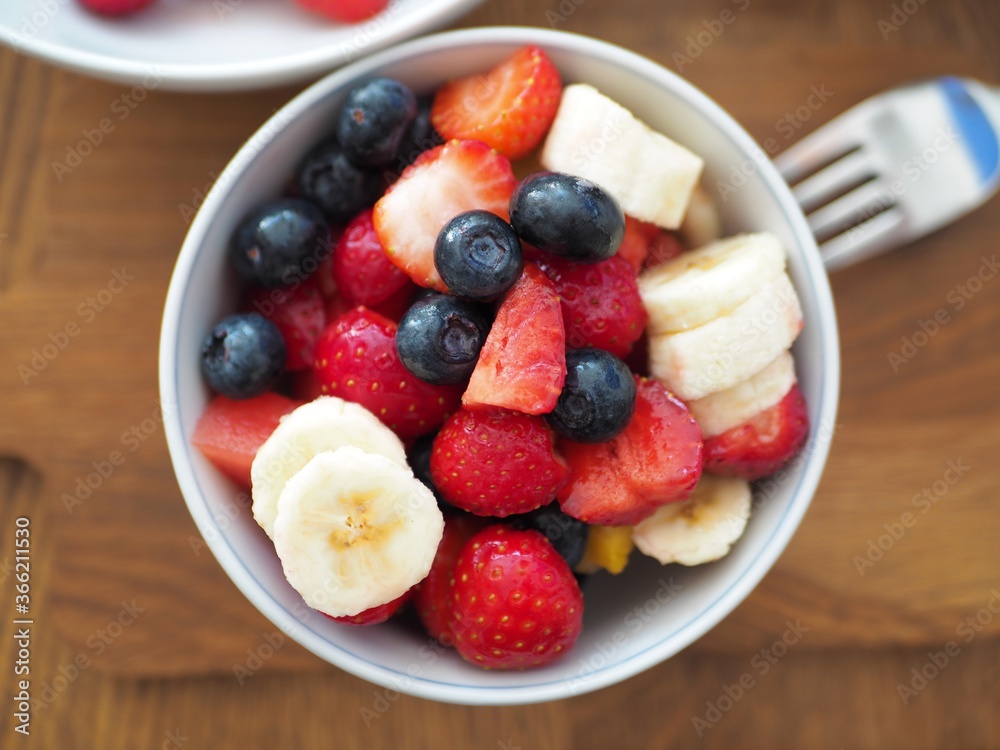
<point>515,602</point>
<point>356,359</point>
<point>363,273</point>
<point>374,615</point>
<point>495,462</point>
<point>433,598</point>
<point>115,7</point>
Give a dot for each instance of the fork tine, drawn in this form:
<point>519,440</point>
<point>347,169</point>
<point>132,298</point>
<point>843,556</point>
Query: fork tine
<point>864,240</point>
<point>863,203</point>
<point>830,182</point>
<point>830,142</point>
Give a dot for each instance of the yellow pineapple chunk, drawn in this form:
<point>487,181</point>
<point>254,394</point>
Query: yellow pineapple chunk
<point>608,548</point>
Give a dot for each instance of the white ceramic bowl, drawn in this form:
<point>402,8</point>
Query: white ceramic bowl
<point>676,604</point>
<point>210,45</point>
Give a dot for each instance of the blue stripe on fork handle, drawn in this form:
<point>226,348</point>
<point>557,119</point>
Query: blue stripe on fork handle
<point>976,129</point>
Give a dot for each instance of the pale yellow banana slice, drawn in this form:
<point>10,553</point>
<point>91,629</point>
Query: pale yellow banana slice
<point>702,223</point>
<point>700,529</point>
<point>355,530</point>
<point>594,137</point>
<point>723,410</point>
<point>698,286</point>
<point>326,423</point>
<point>731,348</point>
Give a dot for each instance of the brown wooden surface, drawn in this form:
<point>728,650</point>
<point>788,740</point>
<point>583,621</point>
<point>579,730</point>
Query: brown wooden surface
<point>122,209</point>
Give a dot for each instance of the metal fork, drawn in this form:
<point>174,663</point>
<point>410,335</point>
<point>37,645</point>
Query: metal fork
<point>897,166</point>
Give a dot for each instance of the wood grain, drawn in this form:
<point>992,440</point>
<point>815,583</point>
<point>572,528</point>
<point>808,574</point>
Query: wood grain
<point>122,209</point>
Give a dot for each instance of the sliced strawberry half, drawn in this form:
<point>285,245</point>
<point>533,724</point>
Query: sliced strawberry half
<point>764,443</point>
<point>656,460</point>
<point>522,365</point>
<point>443,182</point>
<point>511,108</point>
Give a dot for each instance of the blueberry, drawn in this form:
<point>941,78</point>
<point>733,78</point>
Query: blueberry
<point>567,216</point>
<point>439,339</point>
<point>478,255</point>
<point>374,119</point>
<point>341,189</point>
<point>597,399</point>
<point>280,243</point>
<point>421,136</point>
<point>243,355</point>
<point>567,534</point>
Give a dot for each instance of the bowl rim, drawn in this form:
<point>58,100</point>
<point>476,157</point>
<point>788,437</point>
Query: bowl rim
<point>260,74</point>
<point>670,644</point>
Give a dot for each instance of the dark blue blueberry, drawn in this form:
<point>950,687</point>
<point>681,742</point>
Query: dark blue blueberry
<point>597,399</point>
<point>340,188</point>
<point>281,243</point>
<point>439,339</point>
<point>478,255</point>
<point>567,216</point>
<point>567,534</point>
<point>243,355</point>
<point>421,136</point>
<point>374,119</point>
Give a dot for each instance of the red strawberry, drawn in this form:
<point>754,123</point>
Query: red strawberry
<point>764,443</point>
<point>348,11</point>
<point>443,182</point>
<point>511,108</point>
<point>600,303</point>
<point>374,615</point>
<point>433,598</point>
<point>115,7</point>
<point>363,273</point>
<point>515,603</point>
<point>639,235</point>
<point>494,462</point>
<point>665,246</point>
<point>230,432</point>
<point>356,360</point>
<point>522,365</point>
<point>299,313</point>
<point>655,461</point>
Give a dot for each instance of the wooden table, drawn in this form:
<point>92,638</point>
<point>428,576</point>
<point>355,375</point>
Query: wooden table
<point>138,630</point>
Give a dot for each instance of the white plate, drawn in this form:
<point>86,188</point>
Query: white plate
<point>210,45</point>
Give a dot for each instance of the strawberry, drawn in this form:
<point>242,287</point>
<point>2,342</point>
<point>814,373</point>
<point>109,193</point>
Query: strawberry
<point>298,312</point>
<point>443,182</point>
<point>639,236</point>
<point>356,360</point>
<point>515,602</point>
<point>511,108</point>
<point>374,615</point>
<point>495,462</point>
<point>362,271</point>
<point>522,365</point>
<point>764,443</point>
<point>656,460</point>
<point>347,11</point>
<point>665,246</point>
<point>230,432</point>
<point>115,7</point>
<point>433,598</point>
<point>600,303</point>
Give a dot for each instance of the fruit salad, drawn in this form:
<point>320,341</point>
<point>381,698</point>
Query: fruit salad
<point>462,384</point>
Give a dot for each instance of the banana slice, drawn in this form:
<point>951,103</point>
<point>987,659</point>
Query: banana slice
<point>699,286</point>
<point>723,410</point>
<point>355,530</point>
<point>327,423</point>
<point>731,348</point>
<point>594,137</point>
<point>702,223</point>
<point>700,529</point>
